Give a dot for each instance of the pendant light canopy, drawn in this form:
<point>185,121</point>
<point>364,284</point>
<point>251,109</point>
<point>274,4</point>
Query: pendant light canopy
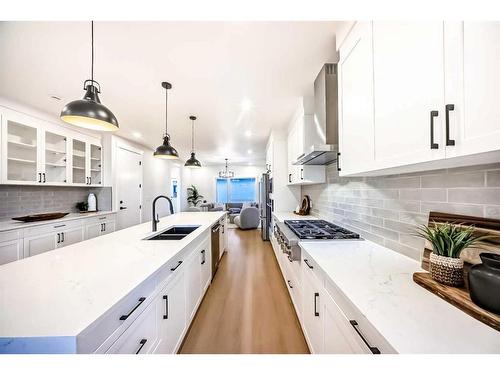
<point>192,162</point>
<point>88,112</point>
<point>165,150</point>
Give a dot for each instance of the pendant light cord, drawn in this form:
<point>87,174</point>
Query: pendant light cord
<point>92,43</point>
<point>192,134</point>
<point>166,111</point>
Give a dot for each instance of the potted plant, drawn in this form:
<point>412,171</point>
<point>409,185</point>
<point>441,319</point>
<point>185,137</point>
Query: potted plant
<point>448,240</point>
<point>194,197</point>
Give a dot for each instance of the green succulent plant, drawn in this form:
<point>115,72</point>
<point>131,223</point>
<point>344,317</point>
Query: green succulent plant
<point>449,239</point>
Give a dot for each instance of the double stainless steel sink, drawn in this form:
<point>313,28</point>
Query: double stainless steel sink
<point>176,232</point>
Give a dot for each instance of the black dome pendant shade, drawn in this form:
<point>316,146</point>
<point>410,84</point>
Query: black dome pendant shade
<point>88,112</point>
<point>165,150</point>
<point>192,162</point>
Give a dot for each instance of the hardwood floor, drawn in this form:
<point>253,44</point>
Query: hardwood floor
<point>247,308</point>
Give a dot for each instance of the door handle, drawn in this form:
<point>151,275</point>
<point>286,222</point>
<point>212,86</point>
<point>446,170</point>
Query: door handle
<point>338,162</point>
<point>373,349</point>
<point>58,237</point>
<point>39,177</point>
<point>125,317</point>
<point>62,237</point>
<point>290,178</point>
<point>289,284</point>
<point>316,296</point>
<point>301,173</point>
<point>123,208</point>
<point>44,178</point>
<point>433,144</point>
<point>449,108</point>
<point>203,259</point>
<point>177,266</point>
<point>308,265</point>
<point>90,180</point>
<point>142,343</point>
<point>165,316</point>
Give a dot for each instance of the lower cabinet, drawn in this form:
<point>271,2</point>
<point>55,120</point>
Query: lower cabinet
<point>43,242</point>
<point>171,314</point>
<point>11,251</point>
<point>141,337</point>
<point>312,316</point>
<point>99,229</point>
<point>193,284</point>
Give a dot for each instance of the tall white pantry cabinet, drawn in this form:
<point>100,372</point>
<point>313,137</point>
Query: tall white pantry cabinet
<point>418,93</point>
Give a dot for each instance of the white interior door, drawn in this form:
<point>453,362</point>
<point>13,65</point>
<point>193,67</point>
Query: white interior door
<point>128,187</point>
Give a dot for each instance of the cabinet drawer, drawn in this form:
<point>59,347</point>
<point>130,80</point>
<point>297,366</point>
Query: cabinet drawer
<point>99,336</point>
<point>55,227</point>
<point>99,219</point>
<point>10,235</point>
<point>351,313</point>
<point>310,266</point>
<point>140,337</point>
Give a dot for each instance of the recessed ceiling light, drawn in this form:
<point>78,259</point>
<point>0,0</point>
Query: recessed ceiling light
<point>246,105</point>
<point>248,133</point>
<point>249,152</point>
<point>136,135</point>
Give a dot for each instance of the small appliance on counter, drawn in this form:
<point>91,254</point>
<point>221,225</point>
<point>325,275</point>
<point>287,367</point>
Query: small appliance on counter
<point>305,207</point>
<point>92,203</point>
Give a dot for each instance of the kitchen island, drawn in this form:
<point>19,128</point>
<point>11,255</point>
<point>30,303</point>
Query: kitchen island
<point>105,294</point>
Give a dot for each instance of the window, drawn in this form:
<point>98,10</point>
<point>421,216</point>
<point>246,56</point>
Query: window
<point>235,190</point>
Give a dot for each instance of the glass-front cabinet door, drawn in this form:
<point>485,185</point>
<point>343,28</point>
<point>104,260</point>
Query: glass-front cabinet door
<point>79,173</point>
<point>20,150</point>
<point>95,165</point>
<point>55,158</point>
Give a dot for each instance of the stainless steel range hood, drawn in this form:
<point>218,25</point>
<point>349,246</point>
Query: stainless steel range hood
<point>321,145</point>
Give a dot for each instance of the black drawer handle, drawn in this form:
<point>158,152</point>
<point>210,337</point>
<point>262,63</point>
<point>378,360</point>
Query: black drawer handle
<point>58,237</point>
<point>203,259</point>
<point>142,343</point>
<point>125,317</point>
<point>449,107</point>
<point>308,265</point>
<point>434,145</point>
<point>166,307</point>
<point>338,162</point>
<point>290,178</point>
<point>39,177</point>
<point>177,266</point>
<point>44,178</point>
<point>62,237</point>
<point>373,349</point>
<point>316,296</point>
<point>289,284</point>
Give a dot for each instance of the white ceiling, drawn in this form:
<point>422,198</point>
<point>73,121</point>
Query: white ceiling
<point>213,66</point>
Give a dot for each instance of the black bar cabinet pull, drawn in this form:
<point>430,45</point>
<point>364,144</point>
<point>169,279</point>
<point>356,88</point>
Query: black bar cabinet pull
<point>203,259</point>
<point>142,343</point>
<point>166,307</point>
<point>58,237</point>
<point>125,317</point>
<point>44,178</point>
<point>290,178</point>
<point>434,145</point>
<point>338,162</point>
<point>39,177</point>
<point>289,284</point>
<point>308,265</point>
<point>316,295</point>
<point>62,237</point>
<point>449,107</point>
<point>373,349</point>
<point>301,173</point>
<point>177,266</point>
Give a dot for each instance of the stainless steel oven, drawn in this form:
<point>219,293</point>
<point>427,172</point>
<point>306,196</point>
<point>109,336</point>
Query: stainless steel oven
<point>215,248</point>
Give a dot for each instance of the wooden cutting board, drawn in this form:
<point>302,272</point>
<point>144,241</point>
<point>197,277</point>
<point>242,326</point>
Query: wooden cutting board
<point>459,297</point>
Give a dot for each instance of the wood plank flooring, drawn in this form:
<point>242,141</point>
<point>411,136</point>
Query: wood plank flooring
<point>247,308</point>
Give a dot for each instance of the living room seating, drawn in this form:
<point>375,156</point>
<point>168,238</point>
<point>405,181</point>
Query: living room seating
<point>248,218</point>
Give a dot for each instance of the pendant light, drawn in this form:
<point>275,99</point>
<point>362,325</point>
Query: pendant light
<point>192,162</point>
<point>88,112</point>
<point>165,150</point>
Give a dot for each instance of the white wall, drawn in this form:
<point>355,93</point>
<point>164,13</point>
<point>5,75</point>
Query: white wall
<point>204,179</point>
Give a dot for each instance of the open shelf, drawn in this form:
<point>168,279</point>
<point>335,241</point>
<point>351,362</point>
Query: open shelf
<point>21,144</point>
<point>79,168</point>
<point>55,152</point>
<point>55,165</point>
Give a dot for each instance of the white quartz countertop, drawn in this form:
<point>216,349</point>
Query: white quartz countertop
<point>61,292</point>
<point>378,281</point>
<point>282,216</point>
<point>13,224</point>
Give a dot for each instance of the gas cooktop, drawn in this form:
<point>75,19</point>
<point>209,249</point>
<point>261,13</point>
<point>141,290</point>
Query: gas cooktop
<point>319,229</point>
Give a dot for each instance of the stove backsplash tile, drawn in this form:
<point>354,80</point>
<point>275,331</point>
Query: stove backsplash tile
<point>386,209</point>
<point>18,200</point>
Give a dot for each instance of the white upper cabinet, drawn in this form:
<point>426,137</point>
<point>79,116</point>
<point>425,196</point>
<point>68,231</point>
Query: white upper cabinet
<point>356,124</point>
<point>435,86</point>
<point>36,152</point>
<point>408,86</point>
<point>472,58</point>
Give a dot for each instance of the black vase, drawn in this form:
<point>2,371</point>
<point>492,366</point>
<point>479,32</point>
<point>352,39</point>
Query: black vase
<point>484,282</point>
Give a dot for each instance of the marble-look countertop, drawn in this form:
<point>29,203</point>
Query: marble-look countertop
<point>282,216</point>
<point>6,225</point>
<point>378,281</point>
<point>62,292</point>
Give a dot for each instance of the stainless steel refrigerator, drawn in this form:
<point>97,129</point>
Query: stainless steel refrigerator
<point>265,205</point>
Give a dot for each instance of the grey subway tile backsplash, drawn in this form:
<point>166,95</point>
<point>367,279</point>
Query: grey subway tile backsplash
<point>386,209</point>
<point>19,200</point>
